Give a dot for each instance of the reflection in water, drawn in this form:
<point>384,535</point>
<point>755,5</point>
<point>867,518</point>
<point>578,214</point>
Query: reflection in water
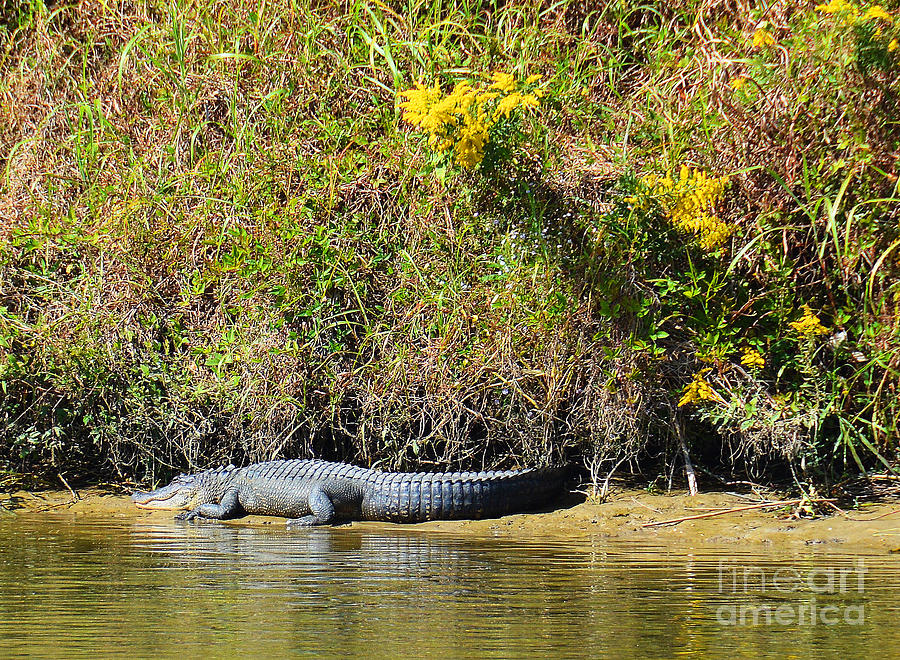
<point>75,588</point>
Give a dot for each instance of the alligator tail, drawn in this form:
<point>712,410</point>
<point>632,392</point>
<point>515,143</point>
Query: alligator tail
<point>406,497</point>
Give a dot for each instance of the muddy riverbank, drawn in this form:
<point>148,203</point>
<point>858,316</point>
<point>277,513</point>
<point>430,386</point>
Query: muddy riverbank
<point>626,515</point>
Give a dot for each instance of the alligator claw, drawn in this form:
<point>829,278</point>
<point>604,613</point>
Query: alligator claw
<point>186,515</point>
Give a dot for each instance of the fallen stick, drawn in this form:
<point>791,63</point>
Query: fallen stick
<point>645,506</point>
<point>710,514</point>
<point>693,489</point>
<point>75,497</point>
<point>849,517</point>
<point>883,515</point>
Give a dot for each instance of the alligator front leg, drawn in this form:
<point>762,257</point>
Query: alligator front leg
<point>322,510</point>
<point>228,507</point>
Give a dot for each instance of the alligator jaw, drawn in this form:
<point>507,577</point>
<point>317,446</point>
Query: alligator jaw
<point>144,500</point>
<point>174,496</point>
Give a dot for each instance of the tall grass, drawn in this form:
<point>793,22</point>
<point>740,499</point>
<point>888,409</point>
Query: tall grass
<point>219,242</point>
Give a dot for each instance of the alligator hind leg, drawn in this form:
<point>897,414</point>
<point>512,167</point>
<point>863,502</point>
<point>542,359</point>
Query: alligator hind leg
<point>322,511</point>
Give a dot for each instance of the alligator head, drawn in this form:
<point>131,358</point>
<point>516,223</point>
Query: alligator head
<point>188,491</point>
<point>185,492</point>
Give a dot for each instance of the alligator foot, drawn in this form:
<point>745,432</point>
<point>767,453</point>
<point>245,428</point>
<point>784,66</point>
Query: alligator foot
<point>193,516</point>
<point>305,521</point>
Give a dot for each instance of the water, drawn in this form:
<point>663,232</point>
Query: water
<point>83,587</point>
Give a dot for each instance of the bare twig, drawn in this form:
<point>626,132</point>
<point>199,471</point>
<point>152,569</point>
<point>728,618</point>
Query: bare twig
<point>604,492</point>
<point>644,505</point>
<point>65,483</point>
<point>736,510</point>
<point>883,515</point>
<point>849,517</point>
<point>688,465</point>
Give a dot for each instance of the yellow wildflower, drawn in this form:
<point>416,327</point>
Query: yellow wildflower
<point>753,358</point>
<point>738,82</point>
<point>879,13</point>
<point>515,100</point>
<point>461,122</point>
<point>697,390</point>
<point>470,145</point>
<point>505,82</point>
<point>689,205</point>
<point>762,38</point>
<point>835,7</point>
<point>507,104</point>
<point>420,100</point>
<point>809,324</point>
<point>530,80</point>
<point>894,45</point>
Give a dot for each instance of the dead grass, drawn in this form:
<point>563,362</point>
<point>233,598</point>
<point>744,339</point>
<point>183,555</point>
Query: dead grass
<point>218,243</point>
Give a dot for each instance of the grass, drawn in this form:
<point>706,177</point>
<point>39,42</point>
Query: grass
<point>220,242</point>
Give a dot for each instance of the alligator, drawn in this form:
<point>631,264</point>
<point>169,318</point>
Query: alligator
<point>314,492</point>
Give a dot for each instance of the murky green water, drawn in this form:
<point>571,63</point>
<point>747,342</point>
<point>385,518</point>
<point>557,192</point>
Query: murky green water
<point>77,587</point>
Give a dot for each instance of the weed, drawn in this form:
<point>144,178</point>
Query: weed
<point>220,240</point>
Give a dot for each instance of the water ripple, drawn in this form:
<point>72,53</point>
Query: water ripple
<point>115,588</point>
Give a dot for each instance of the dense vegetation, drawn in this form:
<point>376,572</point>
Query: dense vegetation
<point>221,240</point>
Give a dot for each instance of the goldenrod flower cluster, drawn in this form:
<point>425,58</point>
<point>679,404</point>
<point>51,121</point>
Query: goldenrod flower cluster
<point>697,390</point>
<point>689,203</point>
<point>463,120</point>
<point>763,38</point>
<point>753,358</point>
<point>853,13</point>
<point>850,14</point>
<point>837,7</point>
<point>878,21</point>
<point>809,324</point>
<point>877,12</point>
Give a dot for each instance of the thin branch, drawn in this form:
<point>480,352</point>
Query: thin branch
<point>764,505</point>
<point>65,483</point>
<point>688,465</point>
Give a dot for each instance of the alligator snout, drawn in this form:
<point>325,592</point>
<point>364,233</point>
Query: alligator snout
<point>176,495</point>
<point>140,496</point>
